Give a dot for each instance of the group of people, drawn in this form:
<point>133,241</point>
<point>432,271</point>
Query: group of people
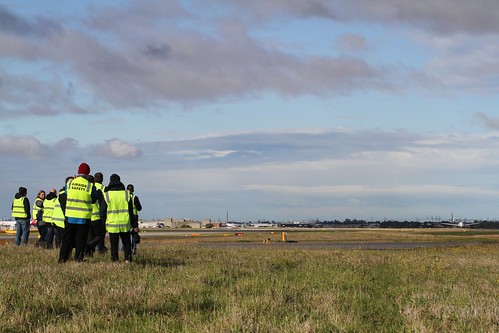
<point>79,216</point>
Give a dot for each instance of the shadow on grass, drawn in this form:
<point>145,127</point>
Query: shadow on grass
<point>159,262</point>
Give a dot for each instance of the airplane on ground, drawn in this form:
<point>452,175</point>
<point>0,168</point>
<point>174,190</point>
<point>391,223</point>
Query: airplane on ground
<point>263,225</point>
<point>458,224</point>
<point>233,225</point>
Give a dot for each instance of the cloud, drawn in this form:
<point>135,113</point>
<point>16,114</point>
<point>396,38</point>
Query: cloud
<point>488,122</point>
<point>119,149</point>
<point>373,191</point>
<point>15,24</point>
<point>326,173</point>
<point>352,43</point>
<point>464,63</point>
<point>158,51</point>
<point>24,95</point>
<point>29,147</point>
<point>21,146</point>
<point>175,55</point>
<point>280,174</point>
<point>440,16</point>
<point>204,154</point>
<point>163,63</point>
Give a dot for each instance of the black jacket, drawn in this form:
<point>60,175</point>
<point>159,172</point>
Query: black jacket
<point>137,204</point>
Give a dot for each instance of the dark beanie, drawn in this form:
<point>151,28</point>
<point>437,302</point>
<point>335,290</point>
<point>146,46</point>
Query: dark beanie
<point>114,178</point>
<point>23,190</point>
<point>84,169</point>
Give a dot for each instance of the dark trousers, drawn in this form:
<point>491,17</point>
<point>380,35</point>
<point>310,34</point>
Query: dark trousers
<point>74,234</point>
<point>96,234</point>
<point>59,232</point>
<point>114,239</point>
<point>42,230</point>
<point>49,236</point>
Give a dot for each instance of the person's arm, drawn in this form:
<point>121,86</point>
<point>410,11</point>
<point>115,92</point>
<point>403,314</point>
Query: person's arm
<point>62,201</point>
<point>100,197</point>
<point>94,195</point>
<point>39,203</point>
<point>27,208</point>
<point>103,211</point>
<point>51,195</point>
<point>137,203</point>
<point>133,220</point>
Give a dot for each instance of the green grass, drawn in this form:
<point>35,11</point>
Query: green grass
<point>184,287</point>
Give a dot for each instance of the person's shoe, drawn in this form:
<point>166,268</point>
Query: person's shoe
<point>89,252</point>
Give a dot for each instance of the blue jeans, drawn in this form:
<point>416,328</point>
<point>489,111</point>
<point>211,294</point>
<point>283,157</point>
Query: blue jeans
<point>22,231</point>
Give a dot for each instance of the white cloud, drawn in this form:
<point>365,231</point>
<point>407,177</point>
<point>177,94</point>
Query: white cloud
<point>204,154</point>
<point>279,175</point>
<point>116,148</point>
<point>27,146</point>
<point>359,191</point>
<point>464,62</point>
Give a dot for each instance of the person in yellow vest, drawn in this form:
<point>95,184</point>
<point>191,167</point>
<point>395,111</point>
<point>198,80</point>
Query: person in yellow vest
<point>48,211</point>
<point>21,212</point>
<point>58,218</point>
<point>137,207</point>
<point>38,216</point>
<point>80,195</point>
<point>117,212</point>
<point>97,229</point>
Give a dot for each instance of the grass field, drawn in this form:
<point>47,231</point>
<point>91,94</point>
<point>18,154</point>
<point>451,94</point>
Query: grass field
<point>177,284</point>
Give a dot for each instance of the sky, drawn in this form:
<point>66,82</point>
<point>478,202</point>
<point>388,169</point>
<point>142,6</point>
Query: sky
<point>277,110</point>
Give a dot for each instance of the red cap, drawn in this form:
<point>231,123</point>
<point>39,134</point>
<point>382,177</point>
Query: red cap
<point>84,169</point>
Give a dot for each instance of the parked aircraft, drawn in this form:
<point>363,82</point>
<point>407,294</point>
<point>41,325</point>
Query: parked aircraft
<point>231,225</point>
<point>263,225</point>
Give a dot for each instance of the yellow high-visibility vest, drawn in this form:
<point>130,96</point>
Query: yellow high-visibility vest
<point>58,214</point>
<point>79,202</point>
<point>18,208</point>
<point>96,205</point>
<point>36,209</point>
<point>48,209</point>
<point>135,212</point>
<point>118,216</point>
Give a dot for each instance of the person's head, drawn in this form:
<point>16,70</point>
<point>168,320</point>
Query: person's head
<point>114,178</point>
<point>41,194</point>
<point>91,178</point>
<point>130,187</point>
<point>84,169</point>
<point>68,179</point>
<point>23,191</point>
<point>99,177</point>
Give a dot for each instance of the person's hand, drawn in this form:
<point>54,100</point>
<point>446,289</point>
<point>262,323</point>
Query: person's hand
<point>136,229</point>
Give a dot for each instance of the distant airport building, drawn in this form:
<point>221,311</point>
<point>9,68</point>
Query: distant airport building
<point>301,224</point>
